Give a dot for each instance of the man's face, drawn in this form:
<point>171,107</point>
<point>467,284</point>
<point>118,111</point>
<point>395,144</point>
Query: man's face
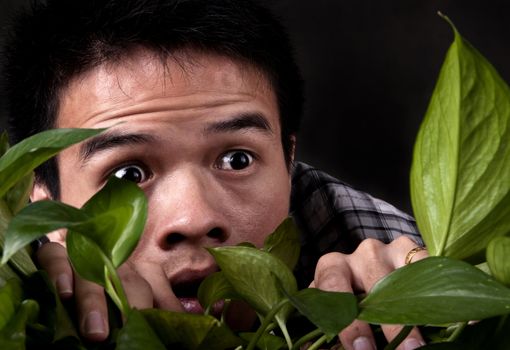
<point>201,136</point>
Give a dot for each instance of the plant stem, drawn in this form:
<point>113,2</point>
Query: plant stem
<point>457,331</point>
<point>399,338</point>
<point>307,337</point>
<point>265,323</point>
<point>115,290</point>
<point>318,343</point>
<point>286,335</point>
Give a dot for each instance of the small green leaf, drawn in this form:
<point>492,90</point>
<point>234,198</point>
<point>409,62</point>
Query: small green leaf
<point>498,253</point>
<point>435,290</point>
<point>87,258</point>
<point>190,331</point>
<point>215,287</point>
<point>460,176</point>
<point>27,155</point>
<point>255,276</point>
<point>18,196</point>
<point>4,143</point>
<point>120,212</point>
<point>10,299</point>
<point>13,335</point>
<point>137,334</point>
<point>329,311</point>
<point>284,243</point>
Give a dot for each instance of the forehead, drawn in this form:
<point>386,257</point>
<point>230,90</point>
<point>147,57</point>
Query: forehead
<point>182,81</point>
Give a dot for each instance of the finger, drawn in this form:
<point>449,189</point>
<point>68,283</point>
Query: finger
<point>164,297</point>
<point>412,341</point>
<point>334,274</point>
<point>403,246</point>
<point>52,257</point>
<point>137,289</point>
<point>92,309</point>
<point>369,263</point>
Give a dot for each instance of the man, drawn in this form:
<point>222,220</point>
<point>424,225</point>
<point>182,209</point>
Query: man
<point>202,99</point>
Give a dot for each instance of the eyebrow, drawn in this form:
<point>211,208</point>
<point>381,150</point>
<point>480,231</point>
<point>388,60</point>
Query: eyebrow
<point>110,140</point>
<point>241,122</point>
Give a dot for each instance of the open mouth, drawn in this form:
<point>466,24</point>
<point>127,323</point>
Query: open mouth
<point>187,293</point>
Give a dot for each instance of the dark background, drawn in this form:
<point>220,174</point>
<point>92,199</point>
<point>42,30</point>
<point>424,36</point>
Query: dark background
<point>370,68</point>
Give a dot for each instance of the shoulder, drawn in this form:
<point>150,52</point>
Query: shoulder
<point>331,212</point>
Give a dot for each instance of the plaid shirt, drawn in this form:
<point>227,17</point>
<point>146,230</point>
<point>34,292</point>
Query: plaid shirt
<point>334,217</point>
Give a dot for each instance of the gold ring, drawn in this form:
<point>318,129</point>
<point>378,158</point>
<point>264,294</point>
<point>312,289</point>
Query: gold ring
<point>411,253</point>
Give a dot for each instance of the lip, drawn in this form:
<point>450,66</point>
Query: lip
<point>192,305</point>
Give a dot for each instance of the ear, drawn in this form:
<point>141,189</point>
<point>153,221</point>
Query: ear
<point>40,193</point>
<point>292,147</point>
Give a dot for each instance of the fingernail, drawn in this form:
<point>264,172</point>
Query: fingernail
<point>64,286</point>
<point>362,343</point>
<point>94,323</point>
<point>411,343</point>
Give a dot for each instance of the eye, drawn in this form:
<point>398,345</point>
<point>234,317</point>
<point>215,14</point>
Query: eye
<point>235,160</point>
<point>131,172</point>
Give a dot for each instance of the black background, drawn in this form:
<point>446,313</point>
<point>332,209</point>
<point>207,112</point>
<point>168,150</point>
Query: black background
<point>370,68</point>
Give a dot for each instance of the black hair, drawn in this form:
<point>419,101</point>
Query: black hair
<point>56,40</point>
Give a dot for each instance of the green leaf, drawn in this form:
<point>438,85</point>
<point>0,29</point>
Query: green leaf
<point>27,155</point>
<point>36,220</point>
<point>17,197</point>
<point>329,311</point>
<point>190,331</point>
<point>255,276</point>
<point>284,243</point>
<point>215,287</point>
<point>87,258</point>
<point>120,212</point>
<point>266,341</point>
<point>4,143</point>
<point>13,335</point>
<point>498,252</point>
<point>10,299</point>
<point>435,290</point>
<point>137,334</point>
<point>460,177</point>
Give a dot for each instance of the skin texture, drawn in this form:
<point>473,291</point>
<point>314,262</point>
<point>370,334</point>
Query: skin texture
<point>176,126</point>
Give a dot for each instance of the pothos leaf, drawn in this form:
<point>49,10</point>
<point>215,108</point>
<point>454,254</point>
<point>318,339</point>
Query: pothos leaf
<point>460,176</point>
<point>498,253</point>
<point>435,290</point>
<point>27,155</point>
<point>284,243</point>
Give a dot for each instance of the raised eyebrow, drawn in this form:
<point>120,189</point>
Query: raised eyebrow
<point>109,140</point>
<point>241,122</point>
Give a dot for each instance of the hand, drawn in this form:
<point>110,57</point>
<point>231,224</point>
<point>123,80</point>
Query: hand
<point>358,272</point>
<point>142,293</point>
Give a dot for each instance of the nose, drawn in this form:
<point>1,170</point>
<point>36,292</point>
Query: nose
<point>187,210</point>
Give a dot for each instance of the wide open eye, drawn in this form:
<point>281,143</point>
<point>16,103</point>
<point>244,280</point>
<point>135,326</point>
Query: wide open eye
<point>234,160</point>
<point>131,172</point>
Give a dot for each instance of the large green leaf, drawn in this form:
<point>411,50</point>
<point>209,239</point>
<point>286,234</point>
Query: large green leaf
<point>435,290</point>
<point>137,334</point>
<point>460,177</point>
<point>190,331</point>
<point>18,196</point>
<point>284,243</point>
<point>329,311</point>
<point>120,209</point>
<point>255,276</point>
<point>498,259</point>
<point>27,155</point>
<point>266,341</point>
